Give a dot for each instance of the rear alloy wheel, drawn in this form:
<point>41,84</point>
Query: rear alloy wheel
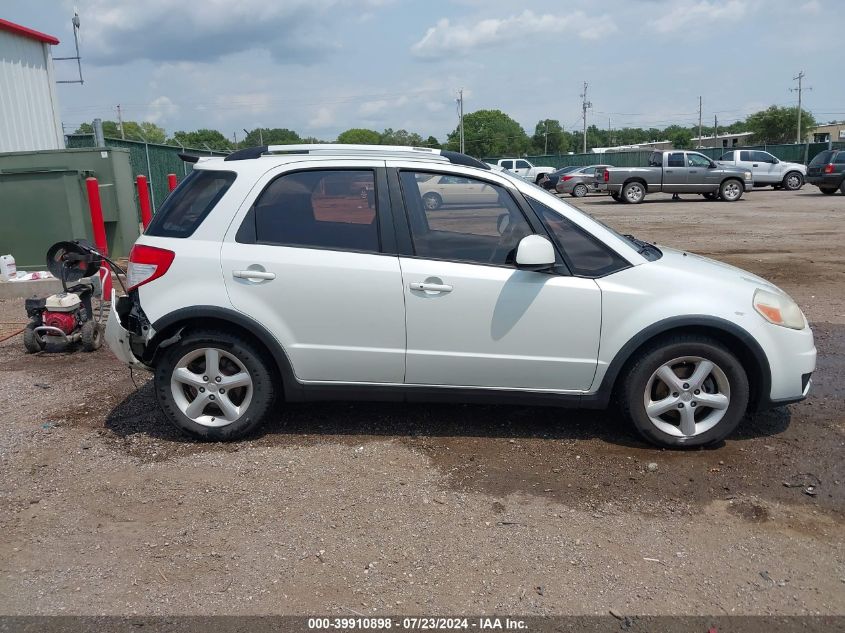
<point>793,181</point>
<point>686,392</point>
<point>633,192</point>
<point>580,191</point>
<point>828,192</point>
<point>432,201</point>
<point>731,190</point>
<point>214,385</point>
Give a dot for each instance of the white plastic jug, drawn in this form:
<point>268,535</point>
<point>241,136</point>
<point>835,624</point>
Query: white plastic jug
<point>7,267</point>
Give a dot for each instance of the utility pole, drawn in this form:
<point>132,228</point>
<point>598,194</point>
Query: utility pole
<point>120,122</point>
<point>235,139</point>
<point>461,109</point>
<point>799,79</point>
<point>546,134</point>
<point>609,133</point>
<point>715,126</point>
<point>699,121</point>
<point>584,106</point>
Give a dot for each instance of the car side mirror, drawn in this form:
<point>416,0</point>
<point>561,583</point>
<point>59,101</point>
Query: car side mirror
<point>535,252</point>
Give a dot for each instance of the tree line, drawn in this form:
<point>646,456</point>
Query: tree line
<point>487,133</point>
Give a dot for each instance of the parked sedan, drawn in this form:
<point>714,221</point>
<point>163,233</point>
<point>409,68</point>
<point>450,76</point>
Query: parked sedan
<point>580,182</point>
<point>827,171</point>
<point>550,180</point>
<point>447,189</point>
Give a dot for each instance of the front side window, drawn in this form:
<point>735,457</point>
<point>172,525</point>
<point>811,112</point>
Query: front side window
<point>319,209</point>
<point>676,160</point>
<point>697,160</point>
<point>185,209</point>
<point>763,157</point>
<point>521,164</point>
<point>584,255</point>
<point>469,220</point>
<point>727,156</point>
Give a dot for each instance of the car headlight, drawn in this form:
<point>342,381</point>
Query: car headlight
<point>778,309</point>
<point>748,175</point>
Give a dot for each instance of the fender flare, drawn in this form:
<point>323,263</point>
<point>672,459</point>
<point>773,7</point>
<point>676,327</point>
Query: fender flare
<point>194,315</point>
<point>601,397</point>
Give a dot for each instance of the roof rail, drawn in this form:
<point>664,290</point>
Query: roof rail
<point>339,149</point>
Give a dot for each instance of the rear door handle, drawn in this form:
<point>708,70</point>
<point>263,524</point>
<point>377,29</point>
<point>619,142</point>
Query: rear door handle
<point>253,274</point>
<point>427,287</point>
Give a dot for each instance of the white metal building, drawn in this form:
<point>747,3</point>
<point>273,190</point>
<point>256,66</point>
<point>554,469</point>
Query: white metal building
<point>29,110</point>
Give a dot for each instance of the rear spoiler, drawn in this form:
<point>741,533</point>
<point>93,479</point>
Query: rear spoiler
<point>188,158</point>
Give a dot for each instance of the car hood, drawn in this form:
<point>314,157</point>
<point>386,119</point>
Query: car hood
<point>712,269</point>
<point>798,166</point>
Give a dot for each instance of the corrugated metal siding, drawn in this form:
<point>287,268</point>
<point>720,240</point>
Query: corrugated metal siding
<point>28,109</point>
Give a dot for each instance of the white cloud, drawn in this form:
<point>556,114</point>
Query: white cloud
<point>323,118</point>
<point>446,38</point>
<point>160,109</point>
<point>369,108</point>
<point>696,14</point>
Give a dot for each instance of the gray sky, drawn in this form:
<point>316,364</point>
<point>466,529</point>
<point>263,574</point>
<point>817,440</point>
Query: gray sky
<point>322,66</point>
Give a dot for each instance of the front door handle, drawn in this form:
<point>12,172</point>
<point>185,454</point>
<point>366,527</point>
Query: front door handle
<point>755,165</point>
<point>258,275</point>
<point>429,287</point>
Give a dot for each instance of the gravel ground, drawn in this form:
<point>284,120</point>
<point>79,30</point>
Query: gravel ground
<point>422,509</point>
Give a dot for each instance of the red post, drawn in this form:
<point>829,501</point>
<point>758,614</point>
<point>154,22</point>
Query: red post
<point>144,201</point>
<point>99,229</point>
<point>171,182</point>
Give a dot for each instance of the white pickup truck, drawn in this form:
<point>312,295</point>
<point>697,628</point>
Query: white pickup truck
<point>766,169</point>
<point>523,168</point>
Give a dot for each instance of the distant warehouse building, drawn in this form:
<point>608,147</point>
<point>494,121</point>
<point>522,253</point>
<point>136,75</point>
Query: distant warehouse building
<point>29,109</point>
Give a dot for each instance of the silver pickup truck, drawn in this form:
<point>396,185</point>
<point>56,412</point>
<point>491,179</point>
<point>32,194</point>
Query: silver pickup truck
<point>675,172</point>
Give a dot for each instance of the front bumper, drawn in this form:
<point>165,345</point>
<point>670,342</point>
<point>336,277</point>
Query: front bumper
<point>118,338</point>
<point>792,360</point>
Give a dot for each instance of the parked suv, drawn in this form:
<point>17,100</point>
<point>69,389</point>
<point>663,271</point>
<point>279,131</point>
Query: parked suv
<point>266,278</point>
<point>766,170</point>
<point>827,171</point>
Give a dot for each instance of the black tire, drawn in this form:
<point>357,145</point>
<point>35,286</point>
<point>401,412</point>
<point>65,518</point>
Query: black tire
<point>539,178</point>
<point>580,191</point>
<point>710,195</point>
<point>792,181</point>
<point>633,192</point>
<point>638,376</point>
<point>32,342</point>
<point>254,360</point>
<point>616,196</point>
<point>91,335</point>
<point>842,187</point>
<point>826,191</point>
<point>729,192</point>
<point>432,201</point>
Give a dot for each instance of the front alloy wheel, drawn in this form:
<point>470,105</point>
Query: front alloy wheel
<point>685,391</point>
<point>687,396</point>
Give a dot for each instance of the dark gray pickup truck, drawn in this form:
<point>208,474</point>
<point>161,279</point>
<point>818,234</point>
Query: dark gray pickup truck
<point>675,172</point>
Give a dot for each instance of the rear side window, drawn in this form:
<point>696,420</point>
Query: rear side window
<point>745,156</point>
<point>676,160</point>
<point>332,209</point>
<point>839,158</point>
<point>824,157</point>
<point>185,209</point>
<point>507,164</point>
<point>584,255</point>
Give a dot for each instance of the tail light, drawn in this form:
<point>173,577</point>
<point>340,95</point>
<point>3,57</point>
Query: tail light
<point>147,263</point>
<point>565,178</point>
<point>828,169</point>
<point>606,176</point>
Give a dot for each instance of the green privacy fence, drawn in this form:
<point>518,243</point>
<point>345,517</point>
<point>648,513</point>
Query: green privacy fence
<point>793,152</point>
<point>149,159</point>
